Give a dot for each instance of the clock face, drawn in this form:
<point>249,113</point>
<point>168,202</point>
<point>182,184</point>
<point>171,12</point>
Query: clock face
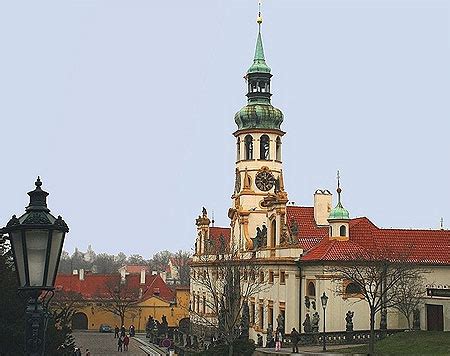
<point>264,181</point>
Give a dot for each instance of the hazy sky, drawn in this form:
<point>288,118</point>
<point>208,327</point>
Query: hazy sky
<point>125,109</point>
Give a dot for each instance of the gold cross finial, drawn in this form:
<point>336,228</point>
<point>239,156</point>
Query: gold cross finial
<point>259,19</point>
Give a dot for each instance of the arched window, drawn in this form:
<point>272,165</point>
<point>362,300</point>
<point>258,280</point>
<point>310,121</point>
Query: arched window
<point>331,231</point>
<point>342,231</point>
<point>264,147</point>
<point>311,289</point>
<point>278,149</point>
<point>238,149</point>
<point>352,288</point>
<point>273,233</point>
<point>248,147</point>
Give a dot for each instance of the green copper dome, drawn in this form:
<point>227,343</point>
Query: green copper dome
<point>264,116</point>
<point>339,213</point>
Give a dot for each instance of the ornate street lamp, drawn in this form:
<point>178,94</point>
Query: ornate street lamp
<point>37,239</point>
<point>324,300</point>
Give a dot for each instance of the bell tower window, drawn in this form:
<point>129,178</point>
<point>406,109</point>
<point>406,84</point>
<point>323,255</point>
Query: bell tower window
<point>238,149</point>
<point>278,149</point>
<point>342,231</point>
<point>264,147</point>
<point>248,147</point>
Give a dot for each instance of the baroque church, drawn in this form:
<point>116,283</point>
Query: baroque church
<point>296,244</point>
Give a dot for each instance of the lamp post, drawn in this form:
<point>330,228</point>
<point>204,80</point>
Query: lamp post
<point>324,300</point>
<point>36,240</point>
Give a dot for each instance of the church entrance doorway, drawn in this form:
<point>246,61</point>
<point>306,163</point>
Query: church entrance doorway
<point>435,317</point>
<point>79,321</point>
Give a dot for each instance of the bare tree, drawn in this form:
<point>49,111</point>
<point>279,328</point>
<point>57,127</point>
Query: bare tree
<point>65,304</point>
<point>118,297</point>
<point>181,260</point>
<point>228,280</point>
<point>408,294</point>
<point>376,275</point>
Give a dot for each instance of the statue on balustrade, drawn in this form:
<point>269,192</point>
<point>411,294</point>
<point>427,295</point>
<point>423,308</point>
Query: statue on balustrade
<point>349,321</point>
<point>315,322</point>
<point>307,324</point>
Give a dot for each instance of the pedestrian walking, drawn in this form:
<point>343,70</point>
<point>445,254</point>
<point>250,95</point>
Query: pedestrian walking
<point>88,353</point>
<point>278,338</point>
<point>122,331</point>
<point>295,336</point>
<point>120,344</point>
<point>126,341</point>
<point>116,332</point>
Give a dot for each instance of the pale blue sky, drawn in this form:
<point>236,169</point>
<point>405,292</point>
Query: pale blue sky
<point>125,108</point>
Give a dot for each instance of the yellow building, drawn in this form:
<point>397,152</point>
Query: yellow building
<point>144,294</point>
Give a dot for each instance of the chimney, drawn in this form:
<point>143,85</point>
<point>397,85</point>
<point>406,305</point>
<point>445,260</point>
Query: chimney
<point>75,272</point>
<point>81,274</point>
<point>122,276</point>
<point>322,206</point>
<point>143,276</point>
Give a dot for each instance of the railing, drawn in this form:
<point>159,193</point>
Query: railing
<point>344,337</point>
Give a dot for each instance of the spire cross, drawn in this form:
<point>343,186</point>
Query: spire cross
<point>259,19</point>
<point>442,223</point>
<point>339,190</point>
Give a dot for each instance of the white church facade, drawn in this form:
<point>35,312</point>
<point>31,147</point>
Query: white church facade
<point>297,244</point>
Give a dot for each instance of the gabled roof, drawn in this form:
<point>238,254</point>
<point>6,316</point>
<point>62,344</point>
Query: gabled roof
<point>419,246</point>
<point>96,285</point>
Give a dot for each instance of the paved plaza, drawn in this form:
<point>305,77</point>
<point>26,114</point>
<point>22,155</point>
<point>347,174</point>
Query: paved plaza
<point>103,344</point>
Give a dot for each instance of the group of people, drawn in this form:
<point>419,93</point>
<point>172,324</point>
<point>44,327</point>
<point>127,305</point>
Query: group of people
<point>77,352</point>
<point>123,340</point>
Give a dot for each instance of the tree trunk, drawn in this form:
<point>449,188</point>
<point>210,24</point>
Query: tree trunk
<point>230,349</point>
<point>372,334</point>
<point>408,318</point>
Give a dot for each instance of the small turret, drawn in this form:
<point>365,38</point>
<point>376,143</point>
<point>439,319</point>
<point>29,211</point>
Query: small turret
<point>339,217</point>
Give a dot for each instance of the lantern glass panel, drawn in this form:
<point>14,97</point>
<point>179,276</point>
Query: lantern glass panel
<point>56,242</point>
<point>36,250</point>
<point>16,242</point>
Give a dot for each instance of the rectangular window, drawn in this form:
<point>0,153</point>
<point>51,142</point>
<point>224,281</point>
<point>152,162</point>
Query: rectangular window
<point>261,316</point>
<point>204,305</point>
<point>261,276</point>
<point>270,316</point>
<point>270,276</point>
<point>252,313</point>
<point>282,277</point>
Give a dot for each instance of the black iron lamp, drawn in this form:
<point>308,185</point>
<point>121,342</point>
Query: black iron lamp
<point>37,239</point>
<point>324,300</point>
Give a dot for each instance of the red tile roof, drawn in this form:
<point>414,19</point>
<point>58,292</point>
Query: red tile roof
<point>216,232</point>
<point>136,268</point>
<point>95,285</point>
<point>309,233</point>
<point>421,246</point>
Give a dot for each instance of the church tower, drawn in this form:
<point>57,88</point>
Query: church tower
<point>259,183</point>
